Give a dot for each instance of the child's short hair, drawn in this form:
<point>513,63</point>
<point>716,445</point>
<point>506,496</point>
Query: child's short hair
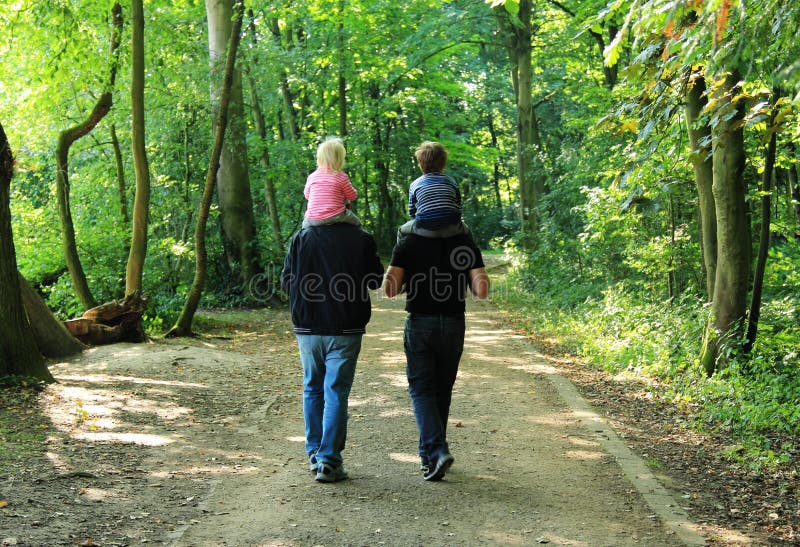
<point>431,156</point>
<point>330,154</point>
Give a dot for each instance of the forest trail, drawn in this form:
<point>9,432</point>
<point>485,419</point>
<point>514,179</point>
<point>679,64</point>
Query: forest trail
<point>201,443</point>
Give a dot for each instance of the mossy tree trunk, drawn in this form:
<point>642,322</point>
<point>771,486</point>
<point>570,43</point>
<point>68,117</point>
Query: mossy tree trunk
<point>19,355</point>
<point>65,140</point>
<point>233,179</point>
<point>183,326</point>
<point>700,142</point>
<point>134,272</point>
<point>729,303</point>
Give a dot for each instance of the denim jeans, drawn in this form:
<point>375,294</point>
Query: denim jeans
<point>329,365</point>
<point>433,346</point>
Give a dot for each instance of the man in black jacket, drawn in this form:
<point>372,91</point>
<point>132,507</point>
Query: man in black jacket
<point>327,274</point>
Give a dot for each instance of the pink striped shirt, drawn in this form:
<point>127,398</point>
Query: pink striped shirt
<point>327,192</point>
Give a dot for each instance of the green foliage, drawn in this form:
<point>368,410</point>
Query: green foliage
<point>753,400</point>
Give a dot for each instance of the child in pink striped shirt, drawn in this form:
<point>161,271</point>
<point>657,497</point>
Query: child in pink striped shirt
<point>328,189</point>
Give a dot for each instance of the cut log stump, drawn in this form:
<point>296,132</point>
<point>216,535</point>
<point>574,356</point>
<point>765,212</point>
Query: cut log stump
<point>115,321</point>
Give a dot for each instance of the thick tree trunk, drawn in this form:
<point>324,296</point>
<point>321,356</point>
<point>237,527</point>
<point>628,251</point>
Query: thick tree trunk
<point>233,179</point>
<point>763,244</point>
<point>518,39</point>
<point>729,303</point>
<point>52,337</point>
<point>183,327</point>
<point>65,140</point>
<point>141,203</point>
<point>19,355</point>
<point>700,142</point>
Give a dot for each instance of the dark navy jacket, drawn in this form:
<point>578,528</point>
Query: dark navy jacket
<point>328,273</point>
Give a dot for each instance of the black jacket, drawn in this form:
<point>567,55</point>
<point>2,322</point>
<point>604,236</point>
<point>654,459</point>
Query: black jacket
<point>328,273</point>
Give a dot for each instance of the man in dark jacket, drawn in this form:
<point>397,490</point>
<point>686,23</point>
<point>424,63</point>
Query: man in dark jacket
<point>327,274</point>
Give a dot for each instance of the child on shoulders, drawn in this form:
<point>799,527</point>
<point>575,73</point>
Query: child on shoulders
<point>434,201</point>
<point>328,189</point>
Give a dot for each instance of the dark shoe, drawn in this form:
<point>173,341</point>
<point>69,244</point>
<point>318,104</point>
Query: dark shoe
<point>312,462</point>
<point>326,473</point>
<point>436,472</point>
<point>424,465</point>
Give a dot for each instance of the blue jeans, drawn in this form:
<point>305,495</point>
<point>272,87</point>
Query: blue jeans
<point>329,365</point>
<point>433,346</point>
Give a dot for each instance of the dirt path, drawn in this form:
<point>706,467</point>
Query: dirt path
<point>201,444</point>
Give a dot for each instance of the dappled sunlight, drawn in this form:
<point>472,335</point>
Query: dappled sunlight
<point>464,375</point>
<point>584,455</point>
<point>112,379</point>
<point>392,359</point>
<point>487,477</point>
<point>396,413</point>
<point>495,360</point>
<point>141,439</point>
<point>98,494</point>
<point>379,401</point>
<point>536,368</point>
<point>552,420</point>
<point>296,439</point>
<point>396,380</point>
<point>77,408</point>
<point>404,457</point>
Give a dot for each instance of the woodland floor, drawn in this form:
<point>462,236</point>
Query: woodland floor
<point>200,442</point>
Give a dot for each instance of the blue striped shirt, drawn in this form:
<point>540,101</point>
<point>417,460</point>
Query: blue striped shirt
<point>434,201</point>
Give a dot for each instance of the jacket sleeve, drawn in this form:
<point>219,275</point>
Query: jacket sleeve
<point>288,264</point>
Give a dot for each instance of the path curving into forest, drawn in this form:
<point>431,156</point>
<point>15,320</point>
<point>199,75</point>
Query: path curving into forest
<point>200,443</point>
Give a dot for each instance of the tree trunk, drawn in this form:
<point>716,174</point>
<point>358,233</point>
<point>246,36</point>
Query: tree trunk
<point>729,303</point>
<point>700,141</point>
<point>141,203</point>
<point>496,169</point>
<point>794,188</point>
<point>286,92</point>
<point>341,56</point>
<point>52,337</point>
<point>19,355</point>
<point>65,140</point>
<point>261,131</point>
<point>183,327</point>
<point>518,39</point>
<point>763,244</point>
<point>233,179</point>
<point>121,186</point>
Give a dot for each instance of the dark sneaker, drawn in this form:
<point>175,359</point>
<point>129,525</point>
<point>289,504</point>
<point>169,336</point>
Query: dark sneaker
<point>312,462</point>
<point>436,472</point>
<point>326,473</point>
<point>424,465</point>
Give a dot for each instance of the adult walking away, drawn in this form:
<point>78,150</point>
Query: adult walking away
<point>327,274</point>
<point>435,274</point>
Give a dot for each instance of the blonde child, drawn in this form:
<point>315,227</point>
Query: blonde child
<point>328,189</point>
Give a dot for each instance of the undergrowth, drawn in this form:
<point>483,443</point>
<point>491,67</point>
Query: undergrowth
<point>755,400</point>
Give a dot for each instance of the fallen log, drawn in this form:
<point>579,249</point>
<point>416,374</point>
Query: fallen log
<point>115,321</point>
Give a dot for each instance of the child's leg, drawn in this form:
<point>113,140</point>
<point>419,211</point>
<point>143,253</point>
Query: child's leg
<point>347,217</point>
<point>448,231</point>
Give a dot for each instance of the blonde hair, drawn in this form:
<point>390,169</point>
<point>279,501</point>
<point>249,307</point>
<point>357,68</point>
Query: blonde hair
<point>330,154</point>
<point>431,156</point>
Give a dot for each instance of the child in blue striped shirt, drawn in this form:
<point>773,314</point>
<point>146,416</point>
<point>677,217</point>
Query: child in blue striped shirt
<point>434,201</point>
